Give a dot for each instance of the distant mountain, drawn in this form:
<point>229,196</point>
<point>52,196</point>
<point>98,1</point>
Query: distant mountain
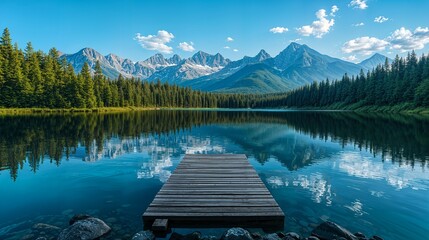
<point>113,65</point>
<point>374,61</point>
<point>253,78</point>
<point>301,64</point>
<point>295,66</point>
<point>200,64</point>
<point>235,66</point>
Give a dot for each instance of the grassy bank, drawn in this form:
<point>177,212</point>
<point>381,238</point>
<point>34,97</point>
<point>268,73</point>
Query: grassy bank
<point>71,110</point>
<point>407,108</point>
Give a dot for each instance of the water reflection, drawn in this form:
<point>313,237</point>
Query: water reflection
<point>399,139</point>
<point>399,177</point>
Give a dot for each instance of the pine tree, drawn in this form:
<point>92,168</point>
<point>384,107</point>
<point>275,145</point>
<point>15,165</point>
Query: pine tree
<point>88,87</point>
<point>34,76</point>
<point>98,84</point>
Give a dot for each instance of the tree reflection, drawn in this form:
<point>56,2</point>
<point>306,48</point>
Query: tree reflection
<point>37,138</point>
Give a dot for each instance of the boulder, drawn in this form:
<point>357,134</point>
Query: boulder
<point>272,236</point>
<point>236,234</point>
<point>256,236</point>
<point>86,229</point>
<point>312,238</point>
<point>375,237</point>
<point>330,230</point>
<point>78,217</point>
<point>144,235</point>
<point>360,236</point>
<point>292,236</point>
<point>191,236</point>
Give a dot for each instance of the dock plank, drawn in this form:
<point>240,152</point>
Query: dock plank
<point>222,189</point>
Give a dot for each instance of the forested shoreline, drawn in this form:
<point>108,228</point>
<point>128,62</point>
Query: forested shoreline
<point>32,79</point>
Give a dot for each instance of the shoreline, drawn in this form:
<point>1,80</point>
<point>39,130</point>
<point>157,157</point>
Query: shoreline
<point>367,109</point>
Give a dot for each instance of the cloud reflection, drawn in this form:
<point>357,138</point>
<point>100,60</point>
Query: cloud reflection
<point>319,188</point>
<point>397,176</point>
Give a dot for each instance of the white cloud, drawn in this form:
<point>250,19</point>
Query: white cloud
<point>358,24</point>
<point>295,40</point>
<point>229,39</point>
<point>381,19</point>
<point>334,9</point>
<point>279,30</point>
<point>235,50</point>
<point>404,40</point>
<point>156,42</point>
<point>226,47</point>
<point>319,27</point>
<point>187,47</point>
<point>401,39</point>
<point>361,4</point>
<point>350,58</point>
<point>364,45</point>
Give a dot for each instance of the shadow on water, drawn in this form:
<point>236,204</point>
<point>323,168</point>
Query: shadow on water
<point>36,138</point>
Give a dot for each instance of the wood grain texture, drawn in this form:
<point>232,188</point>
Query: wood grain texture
<point>218,189</point>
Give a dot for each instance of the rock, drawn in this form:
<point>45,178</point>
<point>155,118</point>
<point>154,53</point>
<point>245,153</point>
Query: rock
<point>236,234</point>
<point>192,236</point>
<point>209,238</point>
<point>89,228</point>
<point>360,236</point>
<point>280,234</point>
<point>144,235</point>
<point>44,227</point>
<point>375,237</point>
<point>272,236</point>
<point>41,238</point>
<point>330,230</point>
<point>78,217</point>
<point>292,236</point>
<point>312,238</point>
<point>256,236</point>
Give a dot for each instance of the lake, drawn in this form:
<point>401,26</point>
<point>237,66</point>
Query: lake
<point>367,172</point>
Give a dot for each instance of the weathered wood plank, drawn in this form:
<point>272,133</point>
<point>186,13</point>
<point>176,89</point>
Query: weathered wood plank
<point>218,188</point>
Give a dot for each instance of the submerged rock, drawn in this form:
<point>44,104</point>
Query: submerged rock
<point>78,217</point>
<point>330,230</point>
<point>144,235</point>
<point>312,238</point>
<point>292,236</point>
<point>272,236</point>
<point>256,236</point>
<point>85,229</point>
<point>191,236</point>
<point>360,236</point>
<point>375,237</point>
<point>236,234</point>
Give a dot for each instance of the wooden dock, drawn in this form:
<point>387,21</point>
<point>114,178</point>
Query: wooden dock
<point>215,191</point>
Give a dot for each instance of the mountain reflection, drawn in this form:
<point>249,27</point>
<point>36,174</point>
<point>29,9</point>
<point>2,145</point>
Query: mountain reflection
<point>37,138</point>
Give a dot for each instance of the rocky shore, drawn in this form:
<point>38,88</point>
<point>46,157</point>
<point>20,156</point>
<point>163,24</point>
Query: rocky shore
<point>86,227</point>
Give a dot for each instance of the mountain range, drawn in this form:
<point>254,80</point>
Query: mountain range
<point>295,66</point>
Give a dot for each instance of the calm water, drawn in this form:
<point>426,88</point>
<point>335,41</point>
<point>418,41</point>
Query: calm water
<point>368,173</point>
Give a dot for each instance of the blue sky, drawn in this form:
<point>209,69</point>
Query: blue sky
<point>348,29</point>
